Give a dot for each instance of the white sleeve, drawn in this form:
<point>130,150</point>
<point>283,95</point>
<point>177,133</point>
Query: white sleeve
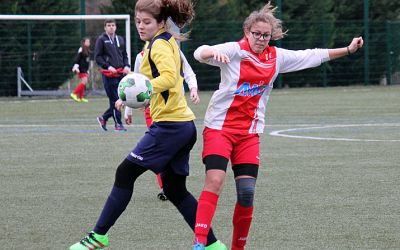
<point>230,49</point>
<point>138,61</point>
<point>295,60</point>
<point>128,111</point>
<point>189,75</point>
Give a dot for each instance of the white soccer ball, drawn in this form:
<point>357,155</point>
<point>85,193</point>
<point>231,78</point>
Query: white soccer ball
<point>135,90</point>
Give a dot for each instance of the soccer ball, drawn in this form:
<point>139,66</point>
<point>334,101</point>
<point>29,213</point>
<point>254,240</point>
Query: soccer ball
<point>135,90</point>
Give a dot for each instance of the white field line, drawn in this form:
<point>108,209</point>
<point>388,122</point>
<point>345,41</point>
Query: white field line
<point>281,133</point>
<point>61,125</point>
<point>198,122</point>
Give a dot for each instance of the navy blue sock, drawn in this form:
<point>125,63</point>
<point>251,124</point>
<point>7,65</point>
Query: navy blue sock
<point>115,205</point>
<point>188,208</point>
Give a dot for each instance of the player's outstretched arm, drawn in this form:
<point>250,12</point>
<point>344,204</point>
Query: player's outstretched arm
<point>208,53</point>
<point>355,45</point>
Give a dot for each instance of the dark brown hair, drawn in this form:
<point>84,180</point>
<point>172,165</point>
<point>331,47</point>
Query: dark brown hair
<point>85,50</point>
<point>180,11</point>
<point>109,21</point>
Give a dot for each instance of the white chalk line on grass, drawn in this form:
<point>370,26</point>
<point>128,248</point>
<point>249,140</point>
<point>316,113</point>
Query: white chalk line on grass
<point>59,125</point>
<point>199,125</point>
<point>281,133</point>
<point>198,122</point>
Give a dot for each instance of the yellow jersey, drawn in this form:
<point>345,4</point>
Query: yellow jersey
<point>164,69</point>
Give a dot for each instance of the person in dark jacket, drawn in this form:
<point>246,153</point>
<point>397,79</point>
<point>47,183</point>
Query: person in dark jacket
<point>111,56</point>
<point>81,67</point>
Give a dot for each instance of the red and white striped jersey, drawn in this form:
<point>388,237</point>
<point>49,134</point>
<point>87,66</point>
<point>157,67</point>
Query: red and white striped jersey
<point>239,104</point>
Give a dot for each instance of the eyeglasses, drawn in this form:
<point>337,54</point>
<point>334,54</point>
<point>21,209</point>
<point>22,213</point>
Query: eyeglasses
<point>258,35</point>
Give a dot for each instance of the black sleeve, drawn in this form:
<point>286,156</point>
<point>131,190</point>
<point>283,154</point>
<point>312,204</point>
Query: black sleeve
<point>98,54</point>
<point>77,58</point>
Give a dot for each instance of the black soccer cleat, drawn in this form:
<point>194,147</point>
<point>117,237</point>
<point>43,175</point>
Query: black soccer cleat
<point>162,196</point>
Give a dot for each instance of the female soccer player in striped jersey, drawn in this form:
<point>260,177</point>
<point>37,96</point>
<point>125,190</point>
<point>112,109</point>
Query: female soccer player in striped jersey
<point>235,115</point>
<point>166,146</point>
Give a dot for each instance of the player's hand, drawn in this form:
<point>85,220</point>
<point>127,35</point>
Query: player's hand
<point>126,70</point>
<point>128,115</point>
<point>112,69</point>
<point>220,57</point>
<point>194,96</point>
<point>356,44</point>
<point>119,104</point>
<point>75,70</point>
<point>128,119</point>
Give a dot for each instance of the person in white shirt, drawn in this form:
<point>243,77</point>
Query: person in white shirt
<point>236,113</point>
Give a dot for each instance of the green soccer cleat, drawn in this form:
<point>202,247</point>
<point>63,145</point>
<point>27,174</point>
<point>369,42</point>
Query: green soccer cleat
<point>75,97</point>
<point>218,245</point>
<point>91,241</point>
<point>84,100</point>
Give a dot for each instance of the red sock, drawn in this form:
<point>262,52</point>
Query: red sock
<point>159,181</point>
<point>241,225</point>
<point>80,90</point>
<point>204,215</point>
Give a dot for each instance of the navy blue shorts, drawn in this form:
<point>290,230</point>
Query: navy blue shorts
<point>166,145</point>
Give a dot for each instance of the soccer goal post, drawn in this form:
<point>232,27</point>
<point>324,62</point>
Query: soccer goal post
<point>42,61</point>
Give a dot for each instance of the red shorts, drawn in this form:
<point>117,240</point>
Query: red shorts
<point>240,149</point>
<point>82,75</point>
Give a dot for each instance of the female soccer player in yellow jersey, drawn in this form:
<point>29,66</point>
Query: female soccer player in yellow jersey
<point>166,146</point>
<point>190,79</point>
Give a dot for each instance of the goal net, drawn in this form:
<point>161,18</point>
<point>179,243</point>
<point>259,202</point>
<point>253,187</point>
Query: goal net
<point>37,52</point>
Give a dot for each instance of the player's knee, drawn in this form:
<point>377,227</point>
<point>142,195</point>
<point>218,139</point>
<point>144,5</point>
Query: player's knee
<point>176,196</point>
<point>246,197</point>
<point>214,183</point>
<point>245,189</point>
<point>216,166</point>
<point>127,173</point>
<point>174,187</point>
